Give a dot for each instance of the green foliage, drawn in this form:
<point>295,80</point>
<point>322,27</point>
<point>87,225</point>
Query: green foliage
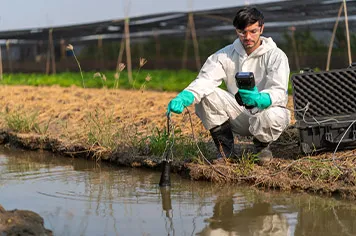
<point>170,48</point>
<point>246,164</point>
<point>23,123</point>
<point>162,80</point>
<point>340,43</point>
<point>184,148</point>
<point>305,42</point>
<point>102,130</point>
<point>318,170</point>
<point>158,141</point>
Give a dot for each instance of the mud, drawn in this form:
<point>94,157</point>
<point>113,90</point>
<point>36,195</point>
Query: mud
<point>20,222</point>
<point>66,118</point>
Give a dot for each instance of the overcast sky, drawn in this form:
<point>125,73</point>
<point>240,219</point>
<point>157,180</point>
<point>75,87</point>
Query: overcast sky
<point>26,14</point>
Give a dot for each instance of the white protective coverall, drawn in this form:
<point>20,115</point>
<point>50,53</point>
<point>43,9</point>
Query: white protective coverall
<point>214,106</point>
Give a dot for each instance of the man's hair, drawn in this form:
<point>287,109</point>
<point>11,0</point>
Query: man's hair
<point>247,16</point>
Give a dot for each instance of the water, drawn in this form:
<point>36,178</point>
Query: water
<point>78,197</point>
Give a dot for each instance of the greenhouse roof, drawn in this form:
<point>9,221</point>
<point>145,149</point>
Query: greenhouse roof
<point>279,16</point>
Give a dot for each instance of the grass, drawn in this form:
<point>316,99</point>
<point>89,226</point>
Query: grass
<point>184,148</point>
<point>246,164</point>
<point>160,80</point>
<point>23,123</point>
<point>102,130</point>
<point>315,170</point>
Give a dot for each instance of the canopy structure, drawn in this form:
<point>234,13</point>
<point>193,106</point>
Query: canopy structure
<point>32,48</point>
<point>318,15</point>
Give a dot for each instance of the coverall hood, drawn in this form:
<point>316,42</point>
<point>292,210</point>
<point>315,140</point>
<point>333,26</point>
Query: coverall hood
<point>267,44</point>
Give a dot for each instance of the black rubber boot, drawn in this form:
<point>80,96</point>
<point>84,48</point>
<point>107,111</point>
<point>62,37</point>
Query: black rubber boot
<point>223,139</point>
<point>263,151</point>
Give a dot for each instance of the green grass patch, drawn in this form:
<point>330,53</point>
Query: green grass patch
<point>246,164</point>
<point>102,130</point>
<point>160,80</point>
<point>23,123</point>
<point>183,148</point>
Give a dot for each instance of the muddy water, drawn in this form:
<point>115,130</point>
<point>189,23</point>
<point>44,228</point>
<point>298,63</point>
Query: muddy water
<point>78,197</point>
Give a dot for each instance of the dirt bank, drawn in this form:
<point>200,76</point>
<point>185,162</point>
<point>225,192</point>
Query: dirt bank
<point>19,222</point>
<point>128,128</point>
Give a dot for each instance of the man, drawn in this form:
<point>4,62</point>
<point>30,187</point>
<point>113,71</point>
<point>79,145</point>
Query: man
<point>218,109</point>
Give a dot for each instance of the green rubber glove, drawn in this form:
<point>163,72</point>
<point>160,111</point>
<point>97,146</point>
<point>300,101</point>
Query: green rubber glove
<point>255,98</point>
<point>177,104</point>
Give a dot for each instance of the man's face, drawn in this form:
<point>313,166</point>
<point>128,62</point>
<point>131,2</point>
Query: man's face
<point>250,36</point>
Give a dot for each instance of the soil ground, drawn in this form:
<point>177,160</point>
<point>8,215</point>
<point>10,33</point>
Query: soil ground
<point>20,222</point>
<point>105,124</point>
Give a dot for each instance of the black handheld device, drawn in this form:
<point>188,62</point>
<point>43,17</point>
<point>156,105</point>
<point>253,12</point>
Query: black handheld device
<point>244,80</point>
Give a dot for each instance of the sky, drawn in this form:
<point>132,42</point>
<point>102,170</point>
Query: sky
<point>32,14</point>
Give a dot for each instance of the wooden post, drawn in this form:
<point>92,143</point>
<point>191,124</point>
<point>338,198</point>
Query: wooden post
<point>63,49</point>
<point>8,55</point>
<point>0,64</point>
<point>347,34</point>
<point>294,43</point>
<point>185,48</point>
<point>333,37</point>
<point>53,57</point>
<point>128,50</point>
<point>121,53</point>
<point>48,59</point>
<point>195,41</point>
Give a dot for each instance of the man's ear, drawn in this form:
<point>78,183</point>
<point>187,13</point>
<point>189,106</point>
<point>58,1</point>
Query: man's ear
<point>236,32</point>
<point>262,28</point>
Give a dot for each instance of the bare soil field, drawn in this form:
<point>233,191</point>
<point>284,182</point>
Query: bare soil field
<point>103,124</point>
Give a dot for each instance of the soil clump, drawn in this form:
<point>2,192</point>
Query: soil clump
<point>20,222</point>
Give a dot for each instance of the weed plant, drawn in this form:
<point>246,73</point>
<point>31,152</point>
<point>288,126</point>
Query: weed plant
<point>184,148</point>
<point>23,123</point>
<point>102,130</point>
<point>246,164</point>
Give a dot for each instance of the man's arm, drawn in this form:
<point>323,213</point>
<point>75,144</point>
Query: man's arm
<point>277,77</point>
<point>210,76</point>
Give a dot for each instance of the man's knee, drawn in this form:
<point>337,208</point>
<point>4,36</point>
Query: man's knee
<point>269,124</point>
<point>212,109</point>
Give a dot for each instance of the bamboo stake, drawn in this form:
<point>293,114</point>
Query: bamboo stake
<point>333,37</point>
<point>1,72</point>
<point>48,58</point>
<point>187,32</point>
<point>294,43</point>
<point>63,49</point>
<point>195,41</point>
<point>8,55</point>
<point>128,50</point>
<point>53,59</point>
<point>185,48</point>
<point>347,34</point>
<point>121,52</point>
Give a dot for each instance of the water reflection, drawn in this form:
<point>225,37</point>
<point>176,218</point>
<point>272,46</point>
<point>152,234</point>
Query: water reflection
<point>167,209</point>
<point>236,215</point>
<point>79,197</point>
